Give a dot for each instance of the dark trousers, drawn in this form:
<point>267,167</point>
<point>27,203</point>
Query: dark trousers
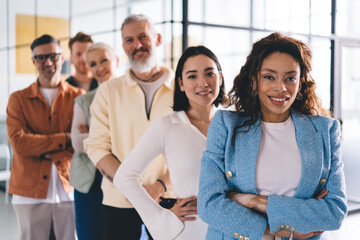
<point>121,223</point>
<point>89,218</point>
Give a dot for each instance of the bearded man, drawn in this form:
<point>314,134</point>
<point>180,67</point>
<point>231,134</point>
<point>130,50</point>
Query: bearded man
<point>122,110</point>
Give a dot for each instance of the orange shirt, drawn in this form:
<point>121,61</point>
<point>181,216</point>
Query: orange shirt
<point>35,130</point>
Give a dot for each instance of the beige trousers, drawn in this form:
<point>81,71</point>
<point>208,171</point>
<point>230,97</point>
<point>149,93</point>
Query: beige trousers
<point>35,220</point>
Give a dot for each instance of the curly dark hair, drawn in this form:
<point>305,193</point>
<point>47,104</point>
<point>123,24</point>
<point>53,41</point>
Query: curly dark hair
<point>241,95</point>
<point>181,102</point>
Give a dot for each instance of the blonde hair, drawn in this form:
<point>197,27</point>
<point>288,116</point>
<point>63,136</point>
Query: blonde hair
<point>101,45</point>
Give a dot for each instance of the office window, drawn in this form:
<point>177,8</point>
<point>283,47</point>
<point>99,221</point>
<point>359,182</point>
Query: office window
<point>19,81</point>
<point>47,11</point>
<point>226,12</point>
<point>348,18</point>
<point>89,7</point>
<point>231,47</point>
<point>321,65</point>
<point>151,8</point>
<point>3,24</point>
<point>21,8</point>
<point>171,44</point>
<point>93,22</point>
<point>3,83</point>
<point>177,13</point>
<point>350,103</point>
<point>281,15</point>
<point>321,17</point>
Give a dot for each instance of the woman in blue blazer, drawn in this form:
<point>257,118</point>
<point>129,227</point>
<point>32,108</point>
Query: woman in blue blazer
<point>272,169</point>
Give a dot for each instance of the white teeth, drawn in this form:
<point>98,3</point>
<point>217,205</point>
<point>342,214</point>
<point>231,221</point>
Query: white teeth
<point>278,99</point>
<point>139,52</point>
<point>102,74</point>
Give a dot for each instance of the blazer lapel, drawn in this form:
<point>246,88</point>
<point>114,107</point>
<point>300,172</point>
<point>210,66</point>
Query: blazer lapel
<point>246,151</point>
<point>310,144</point>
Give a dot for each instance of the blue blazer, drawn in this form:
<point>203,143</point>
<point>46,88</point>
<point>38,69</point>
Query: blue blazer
<point>227,151</point>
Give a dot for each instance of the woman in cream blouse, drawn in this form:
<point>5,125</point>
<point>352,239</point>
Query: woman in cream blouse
<point>102,62</point>
<point>181,138</point>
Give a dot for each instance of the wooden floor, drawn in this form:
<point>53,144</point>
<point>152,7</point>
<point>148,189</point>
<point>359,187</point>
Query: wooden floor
<point>350,229</point>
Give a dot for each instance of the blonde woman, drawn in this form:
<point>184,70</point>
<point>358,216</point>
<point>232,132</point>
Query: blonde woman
<point>102,62</point>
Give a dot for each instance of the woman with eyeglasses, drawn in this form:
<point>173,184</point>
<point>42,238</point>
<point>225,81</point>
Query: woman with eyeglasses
<point>181,138</point>
<point>272,168</point>
<point>84,176</point>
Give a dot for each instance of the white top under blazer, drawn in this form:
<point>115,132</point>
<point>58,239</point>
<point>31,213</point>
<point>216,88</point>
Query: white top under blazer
<point>182,145</point>
<point>278,166</point>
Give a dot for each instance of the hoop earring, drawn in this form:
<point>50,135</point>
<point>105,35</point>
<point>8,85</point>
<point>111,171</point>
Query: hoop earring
<point>254,93</point>
<point>299,96</point>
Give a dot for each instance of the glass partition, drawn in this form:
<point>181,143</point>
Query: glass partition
<point>3,83</point>
<point>321,68</point>
<point>350,115</point>
<point>237,12</point>
<point>231,47</point>
<point>348,18</point>
<point>320,17</point>
<point>281,15</point>
<point>3,24</point>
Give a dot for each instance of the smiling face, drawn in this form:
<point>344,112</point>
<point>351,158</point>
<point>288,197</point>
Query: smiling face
<point>201,80</point>
<point>139,43</point>
<point>50,68</point>
<point>278,85</point>
<point>77,57</point>
<point>101,64</point>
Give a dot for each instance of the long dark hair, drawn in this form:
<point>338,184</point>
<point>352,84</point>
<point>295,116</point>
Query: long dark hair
<point>181,102</point>
<point>242,94</point>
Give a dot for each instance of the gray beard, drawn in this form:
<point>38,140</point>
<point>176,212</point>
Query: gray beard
<point>141,67</point>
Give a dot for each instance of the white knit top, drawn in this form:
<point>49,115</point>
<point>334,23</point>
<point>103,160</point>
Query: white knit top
<point>278,167</point>
<point>182,145</point>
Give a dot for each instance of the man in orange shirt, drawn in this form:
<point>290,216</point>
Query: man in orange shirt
<point>38,124</point>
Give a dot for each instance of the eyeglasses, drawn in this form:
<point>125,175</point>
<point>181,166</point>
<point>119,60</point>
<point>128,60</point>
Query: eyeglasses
<point>43,57</point>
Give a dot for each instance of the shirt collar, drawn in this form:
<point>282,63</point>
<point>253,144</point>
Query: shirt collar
<point>180,117</point>
<point>34,90</point>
